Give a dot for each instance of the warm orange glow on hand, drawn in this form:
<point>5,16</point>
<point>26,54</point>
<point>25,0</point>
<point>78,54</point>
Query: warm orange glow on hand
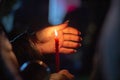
<point>68,37</point>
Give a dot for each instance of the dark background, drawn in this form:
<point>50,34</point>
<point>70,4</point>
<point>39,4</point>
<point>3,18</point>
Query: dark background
<point>88,18</point>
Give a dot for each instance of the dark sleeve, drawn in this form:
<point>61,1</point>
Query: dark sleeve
<point>23,50</point>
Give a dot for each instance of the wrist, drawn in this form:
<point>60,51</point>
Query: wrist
<point>34,46</point>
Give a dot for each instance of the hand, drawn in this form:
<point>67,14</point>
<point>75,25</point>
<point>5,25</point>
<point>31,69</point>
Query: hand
<point>69,39</point>
<point>62,75</point>
<point>67,74</point>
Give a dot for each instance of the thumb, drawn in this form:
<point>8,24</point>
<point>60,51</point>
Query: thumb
<point>63,25</point>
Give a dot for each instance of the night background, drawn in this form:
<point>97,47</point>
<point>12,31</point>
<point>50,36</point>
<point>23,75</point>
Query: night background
<point>87,16</point>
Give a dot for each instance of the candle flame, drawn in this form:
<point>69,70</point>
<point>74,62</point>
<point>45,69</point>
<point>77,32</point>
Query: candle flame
<point>56,33</point>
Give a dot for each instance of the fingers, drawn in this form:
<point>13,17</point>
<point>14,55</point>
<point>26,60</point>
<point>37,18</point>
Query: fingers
<point>70,44</point>
<point>66,73</point>
<point>71,40</point>
<point>67,50</point>
<point>62,26</point>
<point>68,37</point>
<point>71,30</point>
<point>69,47</point>
<point>62,75</point>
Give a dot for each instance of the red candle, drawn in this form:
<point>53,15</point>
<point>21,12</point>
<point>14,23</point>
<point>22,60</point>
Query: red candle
<point>57,57</point>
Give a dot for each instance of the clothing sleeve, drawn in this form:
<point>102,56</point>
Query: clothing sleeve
<point>8,62</point>
<point>23,50</point>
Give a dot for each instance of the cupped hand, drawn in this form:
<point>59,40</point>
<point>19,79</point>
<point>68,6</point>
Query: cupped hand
<point>69,39</point>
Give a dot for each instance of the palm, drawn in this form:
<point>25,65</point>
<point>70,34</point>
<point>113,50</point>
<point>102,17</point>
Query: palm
<point>46,39</point>
<point>68,39</point>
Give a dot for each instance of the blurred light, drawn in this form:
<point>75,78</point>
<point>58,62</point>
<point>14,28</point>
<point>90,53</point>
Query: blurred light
<point>24,66</point>
<point>57,11</point>
<point>9,19</point>
<point>8,22</point>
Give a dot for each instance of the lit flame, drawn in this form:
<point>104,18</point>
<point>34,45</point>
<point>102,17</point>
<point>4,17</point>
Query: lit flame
<point>56,33</point>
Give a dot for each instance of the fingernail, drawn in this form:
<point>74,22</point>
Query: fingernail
<point>75,50</point>
<point>81,39</point>
<point>79,33</point>
<point>67,21</point>
<point>80,45</point>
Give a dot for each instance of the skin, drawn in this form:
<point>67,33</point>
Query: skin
<point>69,39</point>
<point>66,73</point>
<point>62,75</point>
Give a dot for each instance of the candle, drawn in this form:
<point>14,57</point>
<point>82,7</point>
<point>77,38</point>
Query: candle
<point>57,57</point>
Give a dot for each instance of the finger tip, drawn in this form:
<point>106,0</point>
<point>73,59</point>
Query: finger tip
<point>80,44</point>
<point>75,51</point>
<point>67,21</point>
<point>79,33</point>
<point>81,39</point>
